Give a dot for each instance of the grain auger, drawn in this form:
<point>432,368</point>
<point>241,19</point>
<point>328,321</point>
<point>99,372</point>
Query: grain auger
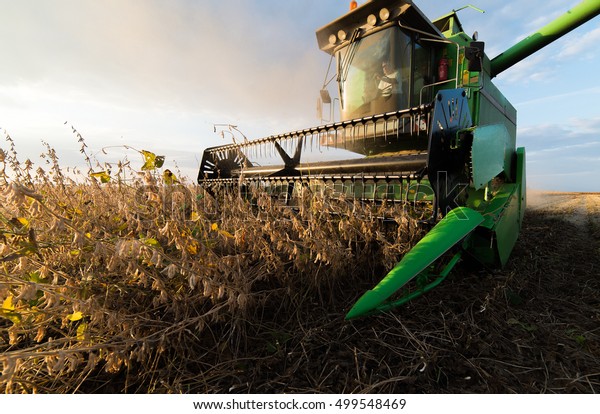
<point>425,126</point>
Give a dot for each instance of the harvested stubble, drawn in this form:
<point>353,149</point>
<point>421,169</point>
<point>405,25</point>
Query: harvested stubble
<point>111,291</point>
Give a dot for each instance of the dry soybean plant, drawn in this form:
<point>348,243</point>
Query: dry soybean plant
<point>150,284</point>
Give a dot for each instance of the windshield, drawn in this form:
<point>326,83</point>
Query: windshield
<point>374,74</point>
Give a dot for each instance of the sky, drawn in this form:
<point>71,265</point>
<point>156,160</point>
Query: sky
<point>158,75</point>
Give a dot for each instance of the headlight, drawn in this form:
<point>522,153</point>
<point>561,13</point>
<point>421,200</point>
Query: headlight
<point>372,20</point>
<point>384,14</point>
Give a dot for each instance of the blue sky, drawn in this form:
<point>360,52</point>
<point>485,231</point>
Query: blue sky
<point>157,75</point>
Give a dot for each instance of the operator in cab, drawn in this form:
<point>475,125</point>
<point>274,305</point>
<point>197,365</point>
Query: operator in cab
<point>389,83</point>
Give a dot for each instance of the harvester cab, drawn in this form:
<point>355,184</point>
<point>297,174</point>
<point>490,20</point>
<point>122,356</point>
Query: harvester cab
<point>381,66</point>
<point>428,131</point>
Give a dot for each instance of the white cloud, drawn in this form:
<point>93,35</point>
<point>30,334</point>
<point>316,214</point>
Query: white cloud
<point>585,46</point>
<point>154,75</point>
<point>559,152</point>
<point>560,96</point>
<point>533,69</point>
<point>178,55</point>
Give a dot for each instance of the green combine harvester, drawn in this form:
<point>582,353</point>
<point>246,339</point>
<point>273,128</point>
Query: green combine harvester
<point>427,130</point>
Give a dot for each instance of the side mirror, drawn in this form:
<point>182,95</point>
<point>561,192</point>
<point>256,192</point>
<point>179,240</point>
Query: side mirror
<point>324,98</point>
<point>474,54</point>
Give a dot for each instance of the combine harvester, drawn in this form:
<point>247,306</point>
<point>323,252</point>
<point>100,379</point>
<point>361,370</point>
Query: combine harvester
<point>428,130</point>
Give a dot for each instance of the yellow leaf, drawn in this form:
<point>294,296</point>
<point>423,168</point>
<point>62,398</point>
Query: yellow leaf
<point>192,248</point>
<point>214,227</point>
<point>8,304</point>
<point>195,216</point>
<point>169,178</point>
<point>151,242</point>
<point>19,223</point>
<point>103,176</point>
<point>81,331</point>
<point>75,316</point>
<point>74,252</point>
<point>226,234</point>
<point>151,160</point>
<point>8,311</point>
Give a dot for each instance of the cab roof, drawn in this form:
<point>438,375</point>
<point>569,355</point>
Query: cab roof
<point>403,11</point>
